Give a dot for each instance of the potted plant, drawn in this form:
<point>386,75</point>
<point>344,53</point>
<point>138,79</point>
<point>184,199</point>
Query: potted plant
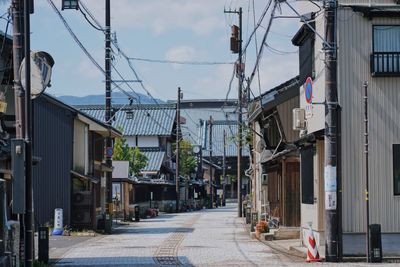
<point>261,227</point>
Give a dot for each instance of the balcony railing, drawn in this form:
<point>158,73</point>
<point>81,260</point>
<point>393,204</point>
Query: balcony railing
<point>385,64</point>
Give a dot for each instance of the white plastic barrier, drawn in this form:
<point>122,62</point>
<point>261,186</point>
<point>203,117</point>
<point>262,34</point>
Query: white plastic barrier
<point>58,222</point>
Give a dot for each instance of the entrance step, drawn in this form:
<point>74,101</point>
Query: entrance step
<point>283,233</point>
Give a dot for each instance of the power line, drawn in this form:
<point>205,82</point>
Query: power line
<point>99,26</point>
<point>76,39</point>
<point>198,63</point>
<point>257,26</point>
<point>279,52</point>
<point>91,23</point>
<point>256,47</point>
<point>115,43</point>
<point>260,52</point>
<point>83,48</point>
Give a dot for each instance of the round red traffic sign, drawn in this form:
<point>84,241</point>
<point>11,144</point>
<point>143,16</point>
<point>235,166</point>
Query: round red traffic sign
<point>308,90</point>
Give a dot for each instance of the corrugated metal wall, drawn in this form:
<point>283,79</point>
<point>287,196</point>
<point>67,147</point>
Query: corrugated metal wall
<point>355,47</point>
<point>53,144</point>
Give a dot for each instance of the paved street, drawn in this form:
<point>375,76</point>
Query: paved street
<point>206,238</point>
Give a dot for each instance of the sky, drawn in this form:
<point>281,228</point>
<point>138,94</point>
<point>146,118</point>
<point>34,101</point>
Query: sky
<point>177,30</point>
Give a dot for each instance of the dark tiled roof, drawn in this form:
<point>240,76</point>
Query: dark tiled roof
<point>155,160</point>
<point>146,119</point>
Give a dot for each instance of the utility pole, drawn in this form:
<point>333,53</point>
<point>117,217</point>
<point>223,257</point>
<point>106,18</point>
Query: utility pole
<point>331,128</point>
<point>109,144</point>
<point>366,167</point>
<point>224,169</point>
<point>17,58</point>
<point>211,169</point>
<point>178,132</point>
<point>16,9</point>
<point>29,230</point>
<point>236,47</point>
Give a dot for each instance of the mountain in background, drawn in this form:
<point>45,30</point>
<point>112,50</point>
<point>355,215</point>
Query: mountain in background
<point>117,98</point>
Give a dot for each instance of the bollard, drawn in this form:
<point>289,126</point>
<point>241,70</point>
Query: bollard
<point>254,220</point>
<point>58,222</point>
<point>248,215</point>
<point>43,241</point>
<point>137,213</point>
<point>375,251</point>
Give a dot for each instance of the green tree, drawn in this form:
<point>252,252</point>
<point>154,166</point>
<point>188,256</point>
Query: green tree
<point>121,150</point>
<point>139,161</point>
<point>188,162</point>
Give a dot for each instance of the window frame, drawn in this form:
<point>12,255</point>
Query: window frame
<point>395,192</point>
<point>309,151</point>
<point>373,68</point>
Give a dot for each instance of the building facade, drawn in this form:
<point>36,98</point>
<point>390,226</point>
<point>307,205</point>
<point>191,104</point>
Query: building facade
<point>368,38</point>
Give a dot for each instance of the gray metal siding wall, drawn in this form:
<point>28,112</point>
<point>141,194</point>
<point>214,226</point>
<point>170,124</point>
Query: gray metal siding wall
<point>53,137</point>
<point>355,47</point>
<point>286,117</point>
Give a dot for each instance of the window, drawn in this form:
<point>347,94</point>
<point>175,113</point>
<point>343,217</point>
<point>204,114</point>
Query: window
<point>396,169</point>
<point>385,59</point>
<point>307,175</point>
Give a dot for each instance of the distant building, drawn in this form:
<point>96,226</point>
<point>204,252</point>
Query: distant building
<point>197,114</point>
<point>151,128</point>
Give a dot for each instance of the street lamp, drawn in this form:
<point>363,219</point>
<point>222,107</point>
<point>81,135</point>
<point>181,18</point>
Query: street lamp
<point>70,4</point>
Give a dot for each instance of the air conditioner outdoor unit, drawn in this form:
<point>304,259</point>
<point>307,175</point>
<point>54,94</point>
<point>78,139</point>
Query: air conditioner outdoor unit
<point>82,198</point>
<point>299,119</point>
<point>81,216</point>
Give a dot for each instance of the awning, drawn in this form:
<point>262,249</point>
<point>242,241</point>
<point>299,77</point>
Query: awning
<point>85,177</point>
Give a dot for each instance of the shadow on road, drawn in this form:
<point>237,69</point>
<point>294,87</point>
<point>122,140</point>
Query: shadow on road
<point>153,230</point>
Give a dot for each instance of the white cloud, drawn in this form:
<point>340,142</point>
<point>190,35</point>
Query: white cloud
<point>181,53</point>
<point>216,84</point>
<point>160,16</point>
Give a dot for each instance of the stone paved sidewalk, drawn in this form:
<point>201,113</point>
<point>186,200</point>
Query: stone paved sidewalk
<point>205,238</point>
